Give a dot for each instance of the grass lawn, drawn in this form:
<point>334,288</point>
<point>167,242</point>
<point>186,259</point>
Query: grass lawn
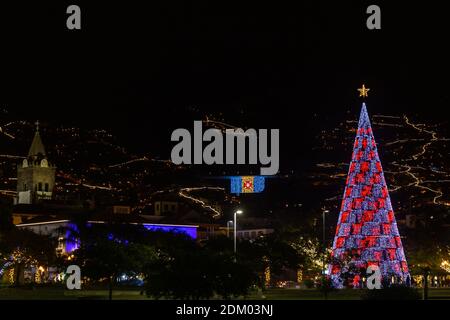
<point>346,294</point>
<point>307,294</point>
<point>58,293</point>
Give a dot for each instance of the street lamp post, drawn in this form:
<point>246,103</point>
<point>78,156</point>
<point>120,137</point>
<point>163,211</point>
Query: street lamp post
<point>324,254</point>
<point>228,228</point>
<point>323,240</point>
<point>235,227</point>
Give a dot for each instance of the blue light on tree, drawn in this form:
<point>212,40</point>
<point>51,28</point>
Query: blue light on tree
<point>366,233</point>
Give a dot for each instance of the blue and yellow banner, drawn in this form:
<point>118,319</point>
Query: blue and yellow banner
<point>247,184</point>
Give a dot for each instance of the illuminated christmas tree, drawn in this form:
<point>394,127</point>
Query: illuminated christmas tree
<point>366,232</point>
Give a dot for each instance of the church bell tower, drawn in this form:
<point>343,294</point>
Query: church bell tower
<point>35,175</point>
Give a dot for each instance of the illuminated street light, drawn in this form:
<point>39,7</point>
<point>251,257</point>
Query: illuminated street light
<point>235,225</point>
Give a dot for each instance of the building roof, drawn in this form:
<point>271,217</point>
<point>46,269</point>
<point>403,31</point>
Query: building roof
<point>44,220</point>
<point>37,147</point>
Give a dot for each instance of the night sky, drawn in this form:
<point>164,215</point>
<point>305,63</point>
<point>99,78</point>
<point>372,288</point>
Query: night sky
<point>141,70</point>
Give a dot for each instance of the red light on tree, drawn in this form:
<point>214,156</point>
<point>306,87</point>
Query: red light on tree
<point>366,223</point>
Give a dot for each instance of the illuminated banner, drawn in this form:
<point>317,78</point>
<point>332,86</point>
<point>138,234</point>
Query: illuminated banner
<point>247,184</point>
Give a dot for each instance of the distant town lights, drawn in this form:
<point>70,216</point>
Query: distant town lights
<point>445,265</point>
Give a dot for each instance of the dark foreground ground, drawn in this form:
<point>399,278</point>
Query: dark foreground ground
<point>53,293</point>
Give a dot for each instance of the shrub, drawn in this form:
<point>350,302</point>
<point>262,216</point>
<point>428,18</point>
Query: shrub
<point>394,292</point>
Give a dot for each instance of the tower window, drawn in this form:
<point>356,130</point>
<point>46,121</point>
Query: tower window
<point>40,186</point>
<point>46,187</point>
<point>25,187</point>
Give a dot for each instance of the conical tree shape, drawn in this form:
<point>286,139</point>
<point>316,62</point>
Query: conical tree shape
<point>366,232</point>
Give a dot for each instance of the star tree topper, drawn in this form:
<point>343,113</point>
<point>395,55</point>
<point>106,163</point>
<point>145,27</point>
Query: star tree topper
<point>363,92</point>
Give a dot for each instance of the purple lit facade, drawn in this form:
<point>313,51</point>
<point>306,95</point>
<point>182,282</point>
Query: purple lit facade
<point>191,231</point>
<point>70,243</point>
